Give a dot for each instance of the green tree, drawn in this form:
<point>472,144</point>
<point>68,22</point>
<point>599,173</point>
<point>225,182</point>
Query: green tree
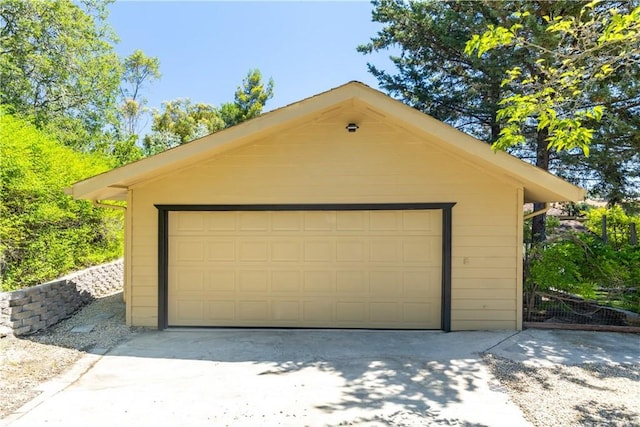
<point>180,121</point>
<point>434,74</point>
<point>250,98</point>
<point>43,232</point>
<point>58,66</point>
<point>579,52</point>
<point>139,70</point>
<point>182,118</point>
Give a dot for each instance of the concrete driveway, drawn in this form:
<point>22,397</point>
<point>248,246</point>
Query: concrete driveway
<point>292,377</point>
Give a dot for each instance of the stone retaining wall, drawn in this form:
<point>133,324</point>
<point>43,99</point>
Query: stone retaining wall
<point>29,310</point>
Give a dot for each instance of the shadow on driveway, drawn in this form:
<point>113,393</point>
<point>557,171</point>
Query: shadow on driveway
<point>287,377</point>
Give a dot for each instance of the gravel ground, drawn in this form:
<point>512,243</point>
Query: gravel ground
<point>584,395</point>
<point>27,361</point>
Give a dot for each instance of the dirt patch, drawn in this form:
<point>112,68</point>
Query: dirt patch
<point>28,361</point>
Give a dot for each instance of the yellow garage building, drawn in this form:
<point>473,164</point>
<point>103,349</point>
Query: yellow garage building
<point>348,209</point>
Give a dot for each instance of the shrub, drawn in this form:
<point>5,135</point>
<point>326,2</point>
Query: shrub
<point>618,223</point>
<point>581,264</point>
<point>43,232</point>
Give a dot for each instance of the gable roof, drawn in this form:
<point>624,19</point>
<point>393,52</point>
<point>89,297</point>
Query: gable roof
<point>539,186</point>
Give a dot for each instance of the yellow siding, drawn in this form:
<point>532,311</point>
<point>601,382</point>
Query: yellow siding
<point>321,163</point>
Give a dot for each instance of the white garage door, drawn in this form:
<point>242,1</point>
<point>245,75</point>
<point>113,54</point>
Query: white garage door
<point>342,269</point>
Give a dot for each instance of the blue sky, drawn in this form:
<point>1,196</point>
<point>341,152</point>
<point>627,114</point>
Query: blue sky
<point>207,47</point>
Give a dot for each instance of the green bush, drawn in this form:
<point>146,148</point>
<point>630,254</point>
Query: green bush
<point>581,264</point>
<point>618,223</point>
<point>43,232</point>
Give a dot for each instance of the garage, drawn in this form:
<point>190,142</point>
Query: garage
<point>347,209</point>
<point>350,267</point>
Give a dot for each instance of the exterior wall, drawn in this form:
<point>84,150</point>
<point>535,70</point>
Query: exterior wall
<point>29,310</point>
<point>321,163</point>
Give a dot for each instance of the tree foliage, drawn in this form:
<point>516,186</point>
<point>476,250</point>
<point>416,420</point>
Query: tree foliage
<point>58,66</point>
<point>618,224</point>
<point>249,100</point>
<point>139,70</point>
<point>43,232</point>
<point>433,73</point>
<point>581,50</point>
<point>180,121</point>
<point>581,264</point>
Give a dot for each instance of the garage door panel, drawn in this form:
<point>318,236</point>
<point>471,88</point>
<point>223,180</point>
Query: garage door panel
<point>384,220</point>
<point>417,251</point>
<point>193,222</point>
<point>249,221</point>
<point>288,311</point>
<point>385,283</point>
<point>254,281</point>
<point>189,309</point>
<point>379,269</point>
<point>253,310</point>
<point>319,221</point>
<point>351,220</point>
<point>384,312</point>
<point>421,284</point>
<point>188,250</point>
<point>319,250</point>
<point>285,282</point>
<point>318,311</point>
<point>285,251</point>
<point>351,251</point>
<point>222,221</point>
<point>385,250</point>
<point>221,281</point>
<point>286,221</point>
<point>320,282</point>
<point>221,250</point>
<point>253,250</point>
<point>221,311</point>
<point>351,282</point>
<point>415,312</point>
<point>354,312</point>
<point>190,280</point>
<point>419,221</point>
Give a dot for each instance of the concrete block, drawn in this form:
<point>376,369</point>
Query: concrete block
<point>21,315</point>
<point>32,291</point>
<point>22,330</point>
<point>4,303</point>
<point>31,321</point>
<point>38,297</point>
<point>39,326</point>
<point>17,295</point>
<point>32,306</point>
<point>18,301</point>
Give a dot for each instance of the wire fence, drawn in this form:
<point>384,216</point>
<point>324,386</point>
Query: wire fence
<point>613,303</point>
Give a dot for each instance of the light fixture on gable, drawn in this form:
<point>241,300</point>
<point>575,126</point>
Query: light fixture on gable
<point>352,127</point>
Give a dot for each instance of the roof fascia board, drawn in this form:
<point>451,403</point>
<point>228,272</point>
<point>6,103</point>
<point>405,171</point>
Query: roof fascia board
<point>456,142</point>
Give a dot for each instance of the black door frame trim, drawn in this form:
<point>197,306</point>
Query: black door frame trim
<point>163,241</point>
